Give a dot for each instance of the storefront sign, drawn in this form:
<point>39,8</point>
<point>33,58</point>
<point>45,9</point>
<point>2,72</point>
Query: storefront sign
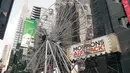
<point>78,50</point>
<point>108,43</point>
<point>96,46</point>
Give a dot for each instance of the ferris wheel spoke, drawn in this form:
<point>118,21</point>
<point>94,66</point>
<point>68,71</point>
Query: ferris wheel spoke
<point>50,47</point>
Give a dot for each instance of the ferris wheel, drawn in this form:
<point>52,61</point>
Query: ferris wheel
<point>66,23</point>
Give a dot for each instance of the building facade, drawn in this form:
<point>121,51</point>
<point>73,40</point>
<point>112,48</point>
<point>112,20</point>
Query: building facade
<point>47,19</point>
<point>81,21</point>
<point>6,57</point>
<point>86,26</point>
<point>17,49</point>
<point>67,15</point>
<point>84,19</point>
<point>20,27</point>
<point>109,16</point>
<point>5,9</point>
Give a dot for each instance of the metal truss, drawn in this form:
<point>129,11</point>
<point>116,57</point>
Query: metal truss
<point>50,57</point>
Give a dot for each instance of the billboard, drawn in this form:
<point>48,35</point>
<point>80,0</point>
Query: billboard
<point>29,33</point>
<point>101,45</point>
<point>127,8</point>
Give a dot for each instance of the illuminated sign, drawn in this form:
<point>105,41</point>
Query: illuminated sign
<point>127,8</point>
<point>78,51</point>
<point>93,47</point>
<point>96,46</point>
<point>108,43</point>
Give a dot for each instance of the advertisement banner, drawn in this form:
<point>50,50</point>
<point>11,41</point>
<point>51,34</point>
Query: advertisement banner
<point>108,43</point>
<point>29,33</point>
<point>127,8</point>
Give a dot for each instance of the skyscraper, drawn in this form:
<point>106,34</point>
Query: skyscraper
<point>6,57</point>
<point>44,26</point>
<point>36,11</point>
<point>67,15</point>
<point>86,26</point>
<point>82,29</point>
<point>109,16</point>
<point>5,9</point>
<point>19,30</point>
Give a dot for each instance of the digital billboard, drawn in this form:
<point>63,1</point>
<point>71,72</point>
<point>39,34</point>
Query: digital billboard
<point>127,8</point>
<point>29,33</point>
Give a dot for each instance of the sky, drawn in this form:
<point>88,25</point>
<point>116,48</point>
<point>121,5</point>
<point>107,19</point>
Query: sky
<point>18,4</point>
<point>41,3</point>
<point>14,18</point>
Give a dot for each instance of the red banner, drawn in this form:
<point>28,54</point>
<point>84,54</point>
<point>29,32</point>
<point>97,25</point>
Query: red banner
<point>127,8</point>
